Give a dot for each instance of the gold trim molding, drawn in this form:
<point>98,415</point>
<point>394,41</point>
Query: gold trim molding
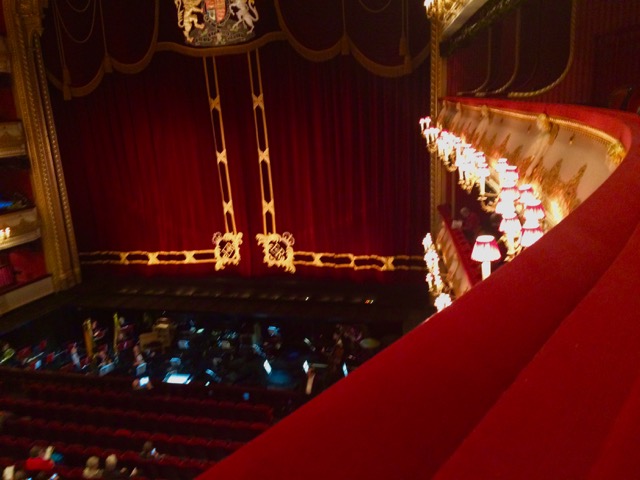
<point>572,41</point>
<point>380,263</point>
<point>24,26</point>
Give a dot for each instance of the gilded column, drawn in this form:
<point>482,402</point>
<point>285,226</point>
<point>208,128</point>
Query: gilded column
<point>436,86</point>
<point>24,28</point>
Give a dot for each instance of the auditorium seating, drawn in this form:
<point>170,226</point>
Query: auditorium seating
<point>175,405</point>
<point>279,401</point>
<point>135,420</point>
<point>84,415</point>
<point>75,456</point>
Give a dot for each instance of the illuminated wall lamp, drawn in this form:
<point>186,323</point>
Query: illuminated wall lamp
<point>534,211</point>
<point>442,301</point>
<point>5,233</point>
<point>527,195</point>
<point>531,233</point>
<point>485,251</point>
<point>511,227</point>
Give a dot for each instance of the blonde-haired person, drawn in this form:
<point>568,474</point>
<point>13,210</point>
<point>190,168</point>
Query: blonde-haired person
<point>92,468</point>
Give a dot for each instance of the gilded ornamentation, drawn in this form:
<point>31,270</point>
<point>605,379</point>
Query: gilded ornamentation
<point>210,23</point>
<point>31,97</point>
<point>278,250</point>
<point>12,142</point>
<point>572,41</point>
<point>360,262</point>
<point>616,153</point>
<point>24,226</point>
<point>477,137</point>
<point>486,16</point>
<point>501,150</point>
<point>547,134</point>
<point>564,194</point>
<point>30,12</point>
<point>226,249</point>
<point>139,257</point>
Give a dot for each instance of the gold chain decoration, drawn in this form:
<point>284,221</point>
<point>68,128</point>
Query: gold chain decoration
<point>278,250</point>
<point>360,262</point>
<point>227,245</point>
<point>141,257</point>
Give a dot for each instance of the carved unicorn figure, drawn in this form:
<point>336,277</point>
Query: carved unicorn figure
<point>246,13</point>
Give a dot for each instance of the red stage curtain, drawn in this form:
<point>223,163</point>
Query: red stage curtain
<point>350,171</point>
<point>139,160</point>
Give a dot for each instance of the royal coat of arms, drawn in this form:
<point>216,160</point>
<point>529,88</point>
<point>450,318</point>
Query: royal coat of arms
<point>210,23</point>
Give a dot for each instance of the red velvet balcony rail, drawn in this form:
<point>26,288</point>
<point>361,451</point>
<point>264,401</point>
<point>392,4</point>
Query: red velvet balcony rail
<point>531,374</point>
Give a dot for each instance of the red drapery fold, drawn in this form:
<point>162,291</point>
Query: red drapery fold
<point>350,171</point>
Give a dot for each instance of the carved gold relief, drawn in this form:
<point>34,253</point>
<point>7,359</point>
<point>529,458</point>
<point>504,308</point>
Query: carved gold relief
<point>616,153</point>
<point>226,249</point>
<point>278,250</point>
<point>30,12</point>
<point>563,194</point>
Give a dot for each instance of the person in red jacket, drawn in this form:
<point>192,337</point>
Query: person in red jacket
<point>39,460</point>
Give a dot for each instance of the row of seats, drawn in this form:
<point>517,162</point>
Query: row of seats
<point>207,408</point>
<point>13,448</point>
<point>281,401</point>
<point>151,422</point>
<point>107,438</point>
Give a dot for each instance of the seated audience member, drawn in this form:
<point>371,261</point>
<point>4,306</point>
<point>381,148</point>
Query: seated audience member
<point>11,473</point>
<point>8,353</point>
<point>470,223</point>
<point>138,386</point>
<point>20,475</point>
<point>111,468</point>
<point>138,358</point>
<point>92,468</point>
<point>39,459</point>
<point>75,358</point>
<point>4,417</point>
<point>148,452</point>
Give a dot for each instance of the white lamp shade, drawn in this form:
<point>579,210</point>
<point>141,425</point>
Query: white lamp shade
<point>510,225</point>
<point>509,194</point>
<point>501,164</point>
<point>527,195</point>
<point>530,236</point>
<point>485,249</point>
<point>535,210</point>
<point>505,207</point>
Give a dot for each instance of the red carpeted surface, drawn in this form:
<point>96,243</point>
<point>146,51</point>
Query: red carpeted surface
<point>532,374</point>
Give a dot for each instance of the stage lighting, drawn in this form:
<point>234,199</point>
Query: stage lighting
<point>344,369</point>
<point>267,367</point>
<point>305,366</point>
